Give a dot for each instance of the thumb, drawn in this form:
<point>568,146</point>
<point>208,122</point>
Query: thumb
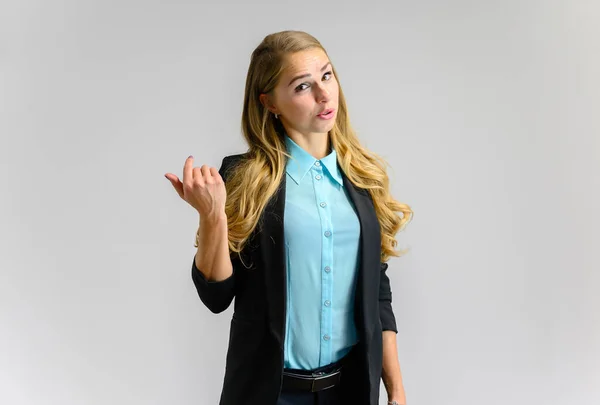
<point>177,184</point>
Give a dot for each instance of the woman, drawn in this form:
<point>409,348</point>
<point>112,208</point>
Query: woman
<point>298,229</point>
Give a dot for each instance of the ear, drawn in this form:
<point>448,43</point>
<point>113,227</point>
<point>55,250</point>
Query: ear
<point>265,100</point>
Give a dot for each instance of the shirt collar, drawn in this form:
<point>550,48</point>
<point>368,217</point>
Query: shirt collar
<point>302,161</point>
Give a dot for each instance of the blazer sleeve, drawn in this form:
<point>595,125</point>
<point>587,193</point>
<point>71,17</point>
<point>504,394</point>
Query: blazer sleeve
<point>386,313</point>
<point>216,295</point>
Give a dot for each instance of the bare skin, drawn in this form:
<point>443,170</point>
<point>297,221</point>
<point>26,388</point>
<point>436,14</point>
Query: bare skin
<point>204,189</point>
<point>299,102</point>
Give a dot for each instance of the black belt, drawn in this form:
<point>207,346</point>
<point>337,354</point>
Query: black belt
<point>316,382</point>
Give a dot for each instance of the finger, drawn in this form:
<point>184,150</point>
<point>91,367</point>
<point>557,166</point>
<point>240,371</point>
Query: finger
<point>171,177</point>
<point>215,172</point>
<point>188,175</point>
<point>198,177</point>
<point>177,184</point>
<point>206,173</point>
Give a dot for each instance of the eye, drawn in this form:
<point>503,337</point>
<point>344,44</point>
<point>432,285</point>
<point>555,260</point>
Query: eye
<point>300,88</point>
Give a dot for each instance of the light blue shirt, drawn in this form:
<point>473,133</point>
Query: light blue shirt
<point>321,231</point>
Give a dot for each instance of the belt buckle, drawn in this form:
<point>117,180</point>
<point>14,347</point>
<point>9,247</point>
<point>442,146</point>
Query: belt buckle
<point>318,377</point>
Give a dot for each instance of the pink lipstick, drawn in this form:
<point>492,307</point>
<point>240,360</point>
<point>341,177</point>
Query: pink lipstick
<point>327,114</point>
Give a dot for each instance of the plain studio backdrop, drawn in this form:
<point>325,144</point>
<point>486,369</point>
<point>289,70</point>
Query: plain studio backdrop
<point>487,112</point>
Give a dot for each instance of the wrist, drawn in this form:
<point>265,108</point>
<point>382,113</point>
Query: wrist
<point>213,219</point>
<point>396,398</point>
<point>209,224</point>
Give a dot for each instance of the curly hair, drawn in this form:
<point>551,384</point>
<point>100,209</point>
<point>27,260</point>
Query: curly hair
<point>256,178</point>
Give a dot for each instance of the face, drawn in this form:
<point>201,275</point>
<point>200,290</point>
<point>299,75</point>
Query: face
<point>307,88</point>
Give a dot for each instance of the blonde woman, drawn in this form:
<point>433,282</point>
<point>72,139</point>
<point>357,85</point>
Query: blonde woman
<point>299,229</point>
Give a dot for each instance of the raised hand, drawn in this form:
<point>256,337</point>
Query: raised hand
<point>202,188</point>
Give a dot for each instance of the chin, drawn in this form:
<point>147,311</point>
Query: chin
<point>326,126</point>
<point>330,127</point>
<point>323,130</point>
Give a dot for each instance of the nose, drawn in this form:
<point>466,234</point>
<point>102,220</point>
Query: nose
<point>323,94</point>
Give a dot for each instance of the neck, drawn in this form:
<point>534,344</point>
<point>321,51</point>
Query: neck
<point>317,144</point>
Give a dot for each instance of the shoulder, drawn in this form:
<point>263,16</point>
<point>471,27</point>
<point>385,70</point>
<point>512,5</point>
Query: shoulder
<point>229,162</point>
<point>235,158</point>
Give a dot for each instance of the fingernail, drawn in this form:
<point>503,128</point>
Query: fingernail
<point>190,156</point>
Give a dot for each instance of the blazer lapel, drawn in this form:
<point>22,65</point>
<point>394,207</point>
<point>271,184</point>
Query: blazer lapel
<point>272,252</point>
<point>367,295</point>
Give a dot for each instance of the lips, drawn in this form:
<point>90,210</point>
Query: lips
<point>326,112</point>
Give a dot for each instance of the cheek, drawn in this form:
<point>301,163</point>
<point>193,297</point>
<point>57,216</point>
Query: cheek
<point>335,91</point>
<point>301,106</point>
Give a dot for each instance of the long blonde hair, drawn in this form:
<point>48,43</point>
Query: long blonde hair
<point>256,178</point>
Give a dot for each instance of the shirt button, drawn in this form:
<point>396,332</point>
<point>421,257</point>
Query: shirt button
<point>327,303</point>
<point>318,177</point>
<point>327,269</point>
<point>327,233</point>
<point>317,164</point>
<point>323,204</point>
<point>326,337</point>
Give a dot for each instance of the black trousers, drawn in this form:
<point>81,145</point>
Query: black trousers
<point>330,396</point>
<point>347,391</point>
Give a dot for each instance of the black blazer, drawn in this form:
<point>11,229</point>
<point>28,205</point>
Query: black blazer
<point>254,361</point>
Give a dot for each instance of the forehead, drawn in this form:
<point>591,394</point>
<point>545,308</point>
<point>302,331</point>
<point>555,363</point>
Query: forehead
<point>309,60</point>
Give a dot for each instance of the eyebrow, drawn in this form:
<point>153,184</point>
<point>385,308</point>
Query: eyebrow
<point>308,74</point>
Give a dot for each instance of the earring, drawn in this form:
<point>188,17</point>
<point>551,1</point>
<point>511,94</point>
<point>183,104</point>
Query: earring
<point>276,116</point>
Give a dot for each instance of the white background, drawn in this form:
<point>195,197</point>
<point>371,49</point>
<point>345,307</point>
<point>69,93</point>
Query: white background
<point>487,111</point>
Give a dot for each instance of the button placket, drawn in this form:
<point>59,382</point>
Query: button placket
<point>320,187</point>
